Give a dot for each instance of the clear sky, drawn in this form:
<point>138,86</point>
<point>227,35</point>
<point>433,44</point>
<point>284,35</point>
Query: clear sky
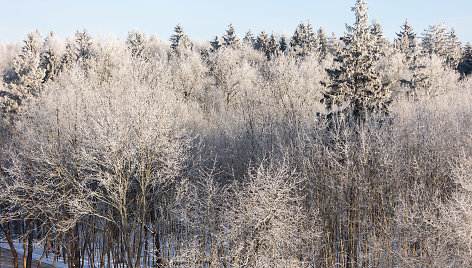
<point>202,19</point>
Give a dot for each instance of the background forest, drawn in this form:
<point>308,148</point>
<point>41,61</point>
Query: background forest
<point>265,151</point>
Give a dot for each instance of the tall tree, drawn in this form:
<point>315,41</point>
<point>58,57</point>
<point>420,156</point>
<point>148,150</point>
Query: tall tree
<point>406,41</point>
<point>273,49</point>
<point>434,41</point>
<point>249,39</point>
<point>283,44</point>
<point>230,39</point>
<point>454,49</point>
<point>179,39</point>
<point>215,44</point>
<point>262,42</point>
<point>334,44</point>
<point>303,40</point>
<point>26,75</point>
<point>357,80</point>
<point>80,50</point>
<point>51,56</point>
<point>465,65</point>
<point>137,42</point>
<point>83,46</point>
<point>322,43</point>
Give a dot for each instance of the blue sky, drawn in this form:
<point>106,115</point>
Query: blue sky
<point>205,18</point>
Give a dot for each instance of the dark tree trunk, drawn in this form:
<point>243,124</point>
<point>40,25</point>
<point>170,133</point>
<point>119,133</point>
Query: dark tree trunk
<point>6,230</point>
<point>29,257</point>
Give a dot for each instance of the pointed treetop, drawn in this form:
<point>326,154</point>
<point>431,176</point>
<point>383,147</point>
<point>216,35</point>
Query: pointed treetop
<point>215,44</point>
<point>362,17</point>
<point>303,40</point>
<point>249,39</point>
<point>179,39</point>
<point>262,42</point>
<point>32,42</point>
<point>230,38</point>
<point>406,40</point>
<point>283,44</point>
<point>273,49</point>
<point>136,42</point>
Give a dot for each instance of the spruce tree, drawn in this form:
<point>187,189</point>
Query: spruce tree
<point>249,39</point>
<point>283,44</point>
<point>68,58</point>
<point>380,43</point>
<point>262,42</point>
<point>137,42</point>
<point>83,46</point>
<point>303,40</point>
<point>179,39</point>
<point>51,57</point>
<point>454,49</point>
<point>465,65</point>
<point>80,50</point>
<point>215,44</point>
<point>24,79</point>
<point>334,44</point>
<point>444,44</point>
<point>322,43</point>
<point>434,41</point>
<point>357,80</point>
<point>230,39</point>
<point>273,49</point>
<point>406,41</point>
<point>26,75</point>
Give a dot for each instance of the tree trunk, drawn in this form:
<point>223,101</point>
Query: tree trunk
<point>157,244</point>
<point>29,258</point>
<point>6,230</point>
<point>46,248</point>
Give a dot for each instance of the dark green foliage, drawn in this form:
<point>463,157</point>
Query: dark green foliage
<point>465,65</point>
<point>230,39</point>
<point>179,39</point>
<point>303,40</point>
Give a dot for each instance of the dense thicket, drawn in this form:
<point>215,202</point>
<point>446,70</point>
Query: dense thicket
<point>266,151</point>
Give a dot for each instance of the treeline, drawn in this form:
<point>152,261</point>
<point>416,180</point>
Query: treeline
<point>309,151</point>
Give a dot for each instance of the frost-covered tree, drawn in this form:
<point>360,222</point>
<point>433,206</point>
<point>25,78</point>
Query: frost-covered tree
<point>179,39</point>
<point>334,44</point>
<point>26,75</point>
<point>262,42</point>
<point>83,49</point>
<point>381,44</point>
<point>454,49</point>
<point>322,43</point>
<point>104,157</point>
<point>357,80</point>
<point>232,75</point>
<point>230,39</point>
<point>215,44</point>
<point>283,44</point>
<point>465,65</point>
<point>406,41</point>
<point>137,43</point>
<point>434,41</point>
<point>273,48</point>
<point>303,40</point>
<point>51,56</point>
<point>427,76</point>
<point>189,75</point>
<point>80,50</point>
<point>249,39</point>
<point>266,221</point>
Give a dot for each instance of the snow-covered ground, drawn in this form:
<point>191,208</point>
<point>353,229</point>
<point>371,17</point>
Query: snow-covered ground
<point>37,252</point>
